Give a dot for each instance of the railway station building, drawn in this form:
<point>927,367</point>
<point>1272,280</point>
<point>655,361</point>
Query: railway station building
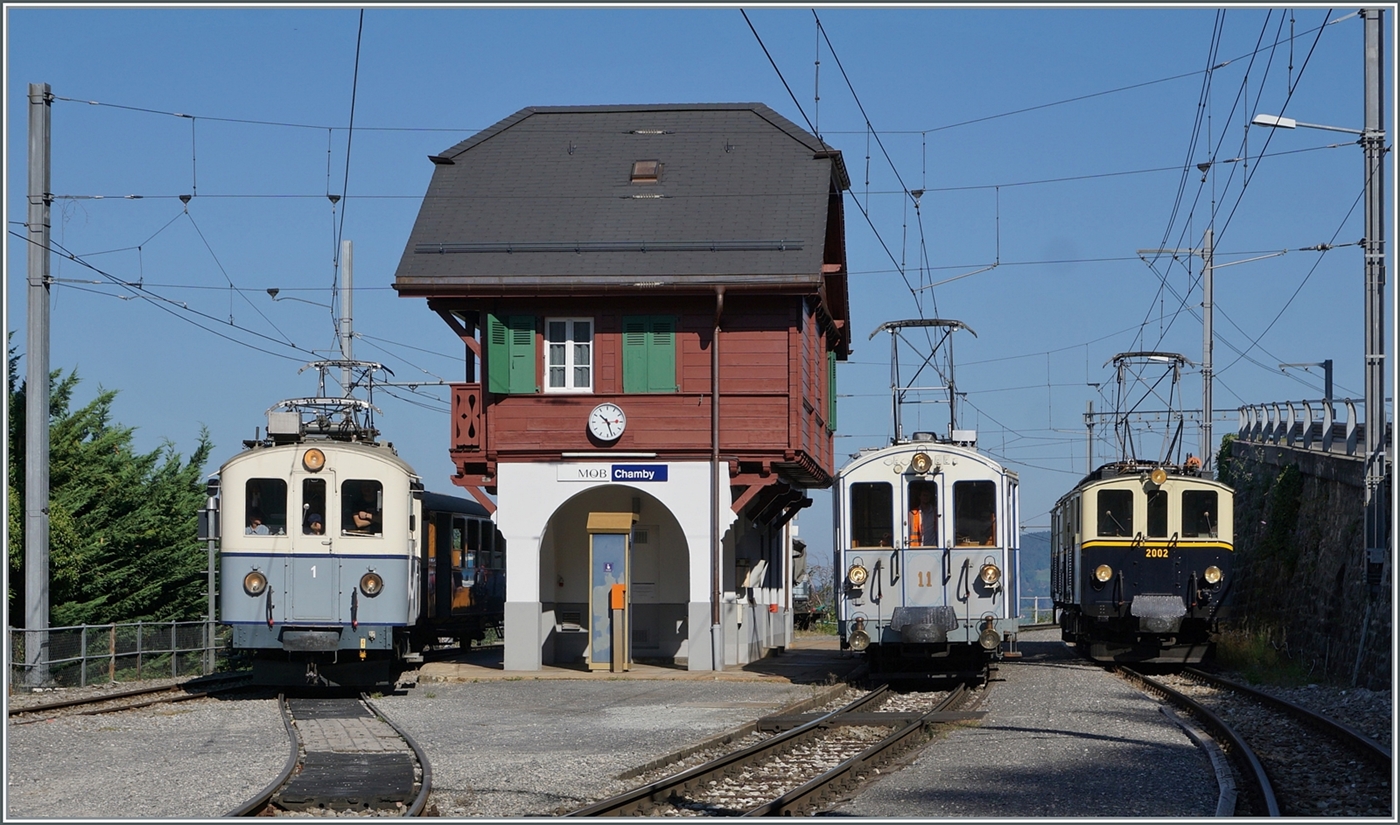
<point>651,301</point>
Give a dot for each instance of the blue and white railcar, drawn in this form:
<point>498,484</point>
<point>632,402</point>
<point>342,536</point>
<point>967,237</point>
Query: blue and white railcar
<point>926,556</point>
<point>337,567</point>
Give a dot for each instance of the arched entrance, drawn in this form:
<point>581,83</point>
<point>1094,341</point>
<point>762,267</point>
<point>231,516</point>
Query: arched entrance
<point>659,590</point>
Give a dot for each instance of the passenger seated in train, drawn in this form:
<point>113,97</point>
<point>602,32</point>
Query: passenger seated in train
<point>256,527</point>
<point>314,525</point>
<point>361,508</point>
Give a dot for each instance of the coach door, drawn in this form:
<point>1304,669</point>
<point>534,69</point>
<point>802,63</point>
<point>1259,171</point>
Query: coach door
<point>312,592</point>
<point>923,560</point>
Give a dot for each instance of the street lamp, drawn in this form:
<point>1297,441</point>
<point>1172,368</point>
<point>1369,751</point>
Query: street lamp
<point>272,292</point>
<point>1372,140</point>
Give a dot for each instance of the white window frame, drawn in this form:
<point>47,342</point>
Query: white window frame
<point>570,363</point>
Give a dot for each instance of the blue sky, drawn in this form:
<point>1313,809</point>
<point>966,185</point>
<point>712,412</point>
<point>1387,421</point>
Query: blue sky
<point>1053,142</point>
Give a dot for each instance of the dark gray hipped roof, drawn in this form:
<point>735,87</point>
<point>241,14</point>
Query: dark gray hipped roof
<point>545,198</point>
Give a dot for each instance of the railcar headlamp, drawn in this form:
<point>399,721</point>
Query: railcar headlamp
<point>990,574</point>
<point>1103,573</point>
<point>921,463</point>
<point>857,575</point>
<point>1213,575</point>
<point>989,638</point>
<point>254,583</point>
<point>313,460</point>
<point>371,583</point>
<point>860,640</point>
<point>1159,476</point>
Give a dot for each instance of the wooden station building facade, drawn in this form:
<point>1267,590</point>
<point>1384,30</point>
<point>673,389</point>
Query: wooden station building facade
<point>607,268</point>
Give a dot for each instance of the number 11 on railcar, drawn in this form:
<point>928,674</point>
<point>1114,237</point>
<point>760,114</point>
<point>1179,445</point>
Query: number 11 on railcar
<point>926,558</point>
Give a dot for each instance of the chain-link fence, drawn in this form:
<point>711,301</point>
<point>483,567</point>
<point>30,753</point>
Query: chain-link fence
<point>97,654</point>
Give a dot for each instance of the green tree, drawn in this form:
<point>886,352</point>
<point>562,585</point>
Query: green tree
<point>122,525</point>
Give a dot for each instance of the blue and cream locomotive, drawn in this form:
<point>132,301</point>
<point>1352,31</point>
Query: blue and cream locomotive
<point>927,544</point>
<point>337,567</point>
<point>1142,551</point>
<point>1141,559</point>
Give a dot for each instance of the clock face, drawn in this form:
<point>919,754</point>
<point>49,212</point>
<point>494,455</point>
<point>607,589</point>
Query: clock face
<point>607,421</point>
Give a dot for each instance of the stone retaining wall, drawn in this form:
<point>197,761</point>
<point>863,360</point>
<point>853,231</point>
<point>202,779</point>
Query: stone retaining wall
<point>1301,563</point>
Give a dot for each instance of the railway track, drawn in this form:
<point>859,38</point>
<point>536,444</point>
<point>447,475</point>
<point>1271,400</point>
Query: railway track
<point>129,699</point>
<point>345,758</point>
<point>1291,761</point>
<point>813,759</point>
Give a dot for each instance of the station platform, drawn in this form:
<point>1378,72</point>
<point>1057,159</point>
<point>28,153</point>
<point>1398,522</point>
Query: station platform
<point>811,660</point>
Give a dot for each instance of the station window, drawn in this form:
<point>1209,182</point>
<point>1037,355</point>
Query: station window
<point>1116,513</point>
<point>313,506</point>
<point>1200,517</point>
<point>362,508</point>
<point>266,507</point>
<point>975,513</point>
<point>569,354</point>
<point>872,514</point>
<point>1157,513</point>
<point>923,514</point>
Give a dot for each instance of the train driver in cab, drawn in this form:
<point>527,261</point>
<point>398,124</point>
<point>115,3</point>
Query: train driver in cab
<point>362,515</point>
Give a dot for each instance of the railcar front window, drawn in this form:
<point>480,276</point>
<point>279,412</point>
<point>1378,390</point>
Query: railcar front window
<point>872,514</point>
<point>1157,513</point>
<point>923,514</point>
<point>266,507</point>
<point>1116,513</point>
<point>313,506</point>
<point>1200,516</point>
<point>362,508</point>
<point>975,513</point>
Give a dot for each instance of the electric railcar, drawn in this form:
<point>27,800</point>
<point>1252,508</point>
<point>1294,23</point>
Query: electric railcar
<point>1142,562</point>
<point>337,567</point>
<point>926,554</point>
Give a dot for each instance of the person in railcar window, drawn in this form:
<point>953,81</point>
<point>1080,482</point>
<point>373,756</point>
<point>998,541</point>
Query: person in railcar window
<point>361,502</point>
<point>255,525</point>
<point>923,514</point>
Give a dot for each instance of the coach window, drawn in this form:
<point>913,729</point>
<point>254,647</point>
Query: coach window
<point>1116,513</point>
<point>313,506</point>
<point>975,513</point>
<point>923,514</point>
<point>1157,513</point>
<point>1199,516</point>
<point>872,514</point>
<point>266,509</point>
<point>362,508</point>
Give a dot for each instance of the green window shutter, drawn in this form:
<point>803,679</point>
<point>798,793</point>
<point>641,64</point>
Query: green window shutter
<point>510,354</point>
<point>497,355</point>
<point>634,353</point>
<point>649,353</point>
<point>522,354</point>
<point>831,391</point>
<point>661,355</point>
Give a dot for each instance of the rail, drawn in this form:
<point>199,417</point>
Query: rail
<point>80,655</point>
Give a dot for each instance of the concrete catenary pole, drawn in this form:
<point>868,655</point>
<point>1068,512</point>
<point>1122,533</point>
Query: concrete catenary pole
<point>36,427</point>
<point>347,306</point>
<point>1207,349</point>
<point>1373,142</point>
